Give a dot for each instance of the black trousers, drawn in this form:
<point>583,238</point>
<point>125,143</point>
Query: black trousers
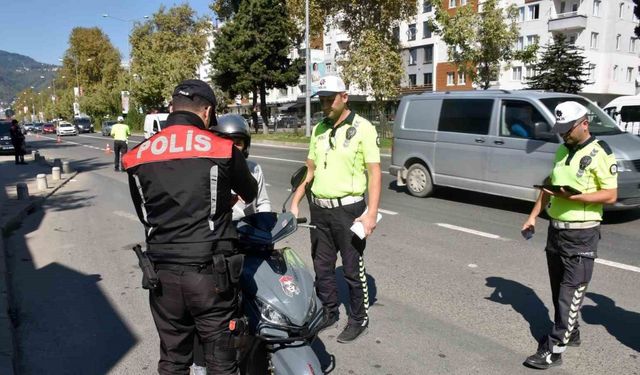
<point>333,235</point>
<point>569,276</point>
<point>186,305</point>
<point>19,151</point>
<point>118,148</point>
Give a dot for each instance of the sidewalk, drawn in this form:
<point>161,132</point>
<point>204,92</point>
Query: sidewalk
<point>12,212</point>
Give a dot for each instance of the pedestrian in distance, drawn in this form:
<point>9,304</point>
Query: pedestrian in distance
<point>343,163</point>
<point>235,128</point>
<point>120,133</point>
<point>18,142</point>
<point>180,180</point>
<point>583,178</point>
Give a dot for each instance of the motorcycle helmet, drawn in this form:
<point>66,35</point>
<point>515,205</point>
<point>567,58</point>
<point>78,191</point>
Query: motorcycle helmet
<point>234,127</point>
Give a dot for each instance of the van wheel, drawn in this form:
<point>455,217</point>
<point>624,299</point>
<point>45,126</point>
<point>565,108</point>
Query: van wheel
<point>419,181</point>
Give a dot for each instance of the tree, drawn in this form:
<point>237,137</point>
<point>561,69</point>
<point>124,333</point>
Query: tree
<point>252,52</point>
<point>375,63</point>
<point>165,50</point>
<point>636,11</point>
<point>478,42</point>
<point>561,68</point>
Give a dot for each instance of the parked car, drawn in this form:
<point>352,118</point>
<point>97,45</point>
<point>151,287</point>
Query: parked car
<point>28,128</point>
<point>66,128</point>
<point>625,111</point>
<point>83,124</point>
<point>286,121</point>
<point>106,127</point>
<point>48,129</point>
<point>153,123</point>
<point>37,128</point>
<point>468,140</point>
<point>6,146</point>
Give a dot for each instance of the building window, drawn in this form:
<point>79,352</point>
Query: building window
<point>327,48</point>
<point>463,2</point>
<point>521,14</point>
<point>428,54</point>
<point>426,31</point>
<point>461,79</point>
<point>426,6</point>
<point>629,74</point>
<point>450,79</point>
<point>519,43</point>
<point>596,8</point>
<point>412,80</point>
<point>615,72</point>
<point>574,7</point>
<point>572,38</point>
<point>396,33</point>
<point>529,72</point>
<point>532,39</point>
<point>452,3</point>
<point>618,37</point>
<point>594,40</point>
<point>428,78</point>
<point>516,73</point>
<point>411,32</point>
<point>534,12</point>
<point>592,73</point>
<point>563,6</point>
<point>413,56</point>
<point>328,65</point>
<point>621,10</point>
<point>632,44</point>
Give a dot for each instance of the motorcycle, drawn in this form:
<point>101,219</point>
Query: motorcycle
<point>283,313</point>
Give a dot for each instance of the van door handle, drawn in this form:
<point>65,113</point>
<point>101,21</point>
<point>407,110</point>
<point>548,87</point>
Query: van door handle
<point>499,142</point>
<point>479,140</point>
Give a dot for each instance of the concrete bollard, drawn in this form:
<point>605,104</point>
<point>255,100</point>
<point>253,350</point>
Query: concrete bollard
<point>41,180</point>
<point>55,173</point>
<point>66,167</point>
<point>57,163</point>
<point>36,155</point>
<point>23,191</point>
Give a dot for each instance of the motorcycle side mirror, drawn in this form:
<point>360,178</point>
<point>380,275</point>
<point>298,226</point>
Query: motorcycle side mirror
<point>296,179</point>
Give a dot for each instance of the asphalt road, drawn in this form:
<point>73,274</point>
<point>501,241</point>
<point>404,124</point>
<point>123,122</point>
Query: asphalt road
<point>454,289</point>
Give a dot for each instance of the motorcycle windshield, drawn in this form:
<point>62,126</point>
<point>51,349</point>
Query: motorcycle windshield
<point>265,228</point>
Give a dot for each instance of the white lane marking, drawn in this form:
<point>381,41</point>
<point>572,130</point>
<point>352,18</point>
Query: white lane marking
<point>126,215</point>
<point>387,212</point>
<point>277,159</point>
<point>472,265</point>
<point>618,265</point>
<point>294,147</point>
<point>470,231</point>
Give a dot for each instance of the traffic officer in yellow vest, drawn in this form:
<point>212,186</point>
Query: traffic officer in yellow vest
<point>120,133</point>
<point>343,162</point>
<point>587,168</point>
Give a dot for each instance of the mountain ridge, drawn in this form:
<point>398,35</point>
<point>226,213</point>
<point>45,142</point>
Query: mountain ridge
<point>19,72</point>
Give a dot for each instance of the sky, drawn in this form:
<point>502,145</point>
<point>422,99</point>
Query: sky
<point>40,28</point>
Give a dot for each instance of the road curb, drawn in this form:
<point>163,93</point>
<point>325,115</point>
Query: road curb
<point>8,344</point>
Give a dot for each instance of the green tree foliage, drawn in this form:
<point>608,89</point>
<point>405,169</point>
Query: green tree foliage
<point>478,42</point>
<point>165,50</point>
<point>562,68</point>
<point>225,9</point>
<point>375,63</point>
<point>252,52</point>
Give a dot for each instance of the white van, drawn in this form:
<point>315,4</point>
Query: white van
<point>625,110</point>
<point>153,123</point>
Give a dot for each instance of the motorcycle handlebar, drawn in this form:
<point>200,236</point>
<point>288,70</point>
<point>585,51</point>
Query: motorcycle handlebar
<point>301,220</point>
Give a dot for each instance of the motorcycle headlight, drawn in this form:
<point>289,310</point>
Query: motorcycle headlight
<point>624,165</point>
<point>272,315</point>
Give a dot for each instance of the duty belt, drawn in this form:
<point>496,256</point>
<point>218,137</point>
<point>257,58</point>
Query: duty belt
<point>574,224</point>
<point>336,202</point>
<point>199,268</point>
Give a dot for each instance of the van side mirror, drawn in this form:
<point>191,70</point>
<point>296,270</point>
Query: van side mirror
<point>542,131</point>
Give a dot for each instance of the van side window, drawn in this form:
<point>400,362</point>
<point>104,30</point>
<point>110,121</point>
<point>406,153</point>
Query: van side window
<point>471,116</point>
<point>517,119</point>
<point>155,126</point>
<point>421,114</point>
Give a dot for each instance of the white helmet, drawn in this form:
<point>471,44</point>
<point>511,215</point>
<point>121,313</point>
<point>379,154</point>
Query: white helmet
<point>120,118</point>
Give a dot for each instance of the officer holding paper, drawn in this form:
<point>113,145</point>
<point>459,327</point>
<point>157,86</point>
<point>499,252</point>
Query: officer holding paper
<point>587,167</point>
<point>343,162</point>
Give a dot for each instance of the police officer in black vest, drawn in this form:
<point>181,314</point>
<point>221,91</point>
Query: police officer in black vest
<point>180,181</point>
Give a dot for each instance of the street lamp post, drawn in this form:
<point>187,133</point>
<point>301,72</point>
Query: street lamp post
<point>308,72</point>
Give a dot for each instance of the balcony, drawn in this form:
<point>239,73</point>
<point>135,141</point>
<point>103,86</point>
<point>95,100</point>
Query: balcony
<point>416,89</point>
<point>568,21</point>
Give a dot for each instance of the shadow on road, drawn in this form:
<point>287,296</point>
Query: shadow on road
<point>620,323</point>
<point>524,301</point>
<point>64,322</point>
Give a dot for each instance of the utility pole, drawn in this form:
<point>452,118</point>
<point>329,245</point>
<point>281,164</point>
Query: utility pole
<point>308,72</point>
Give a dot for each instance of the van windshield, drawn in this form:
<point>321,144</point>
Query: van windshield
<point>599,122</point>
<point>83,121</point>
